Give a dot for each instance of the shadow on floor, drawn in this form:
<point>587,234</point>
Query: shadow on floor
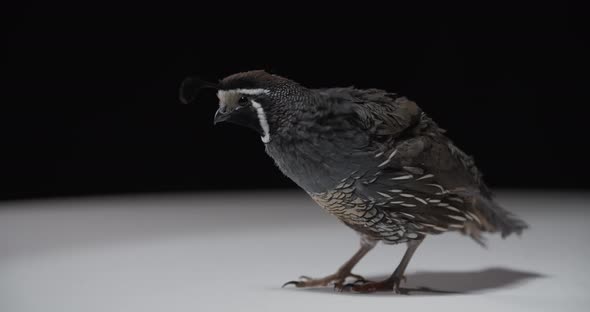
<point>455,282</point>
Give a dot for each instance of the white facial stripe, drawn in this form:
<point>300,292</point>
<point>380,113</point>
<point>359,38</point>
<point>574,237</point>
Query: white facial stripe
<point>223,93</point>
<point>263,121</point>
<point>253,91</point>
<point>230,98</point>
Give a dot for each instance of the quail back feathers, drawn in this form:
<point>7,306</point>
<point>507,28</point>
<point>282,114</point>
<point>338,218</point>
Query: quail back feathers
<point>371,158</point>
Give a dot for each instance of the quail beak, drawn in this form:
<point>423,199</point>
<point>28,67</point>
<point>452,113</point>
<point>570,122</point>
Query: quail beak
<point>221,115</point>
<point>243,116</point>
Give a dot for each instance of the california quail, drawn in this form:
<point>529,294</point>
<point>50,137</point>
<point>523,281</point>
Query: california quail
<point>371,158</point>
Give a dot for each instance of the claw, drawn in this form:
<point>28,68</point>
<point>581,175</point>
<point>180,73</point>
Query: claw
<point>336,280</point>
<point>296,283</point>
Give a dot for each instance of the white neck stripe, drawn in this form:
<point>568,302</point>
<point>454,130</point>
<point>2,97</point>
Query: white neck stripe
<point>263,121</point>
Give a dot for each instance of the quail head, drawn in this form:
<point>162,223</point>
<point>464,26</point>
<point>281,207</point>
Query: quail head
<point>372,159</point>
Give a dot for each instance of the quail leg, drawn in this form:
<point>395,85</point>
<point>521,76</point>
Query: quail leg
<point>393,282</point>
<point>338,278</point>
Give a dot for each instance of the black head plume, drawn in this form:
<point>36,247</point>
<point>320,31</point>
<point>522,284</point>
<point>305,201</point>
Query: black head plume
<point>191,86</point>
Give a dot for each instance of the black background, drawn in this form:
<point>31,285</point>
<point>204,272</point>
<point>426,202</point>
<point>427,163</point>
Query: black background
<point>90,91</point>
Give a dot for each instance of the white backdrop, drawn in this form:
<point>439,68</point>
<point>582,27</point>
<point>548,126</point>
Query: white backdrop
<point>233,251</point>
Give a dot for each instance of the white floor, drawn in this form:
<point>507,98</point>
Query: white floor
<point>232,251</point>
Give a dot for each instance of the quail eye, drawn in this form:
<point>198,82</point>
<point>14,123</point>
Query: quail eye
<point>243,101</point>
